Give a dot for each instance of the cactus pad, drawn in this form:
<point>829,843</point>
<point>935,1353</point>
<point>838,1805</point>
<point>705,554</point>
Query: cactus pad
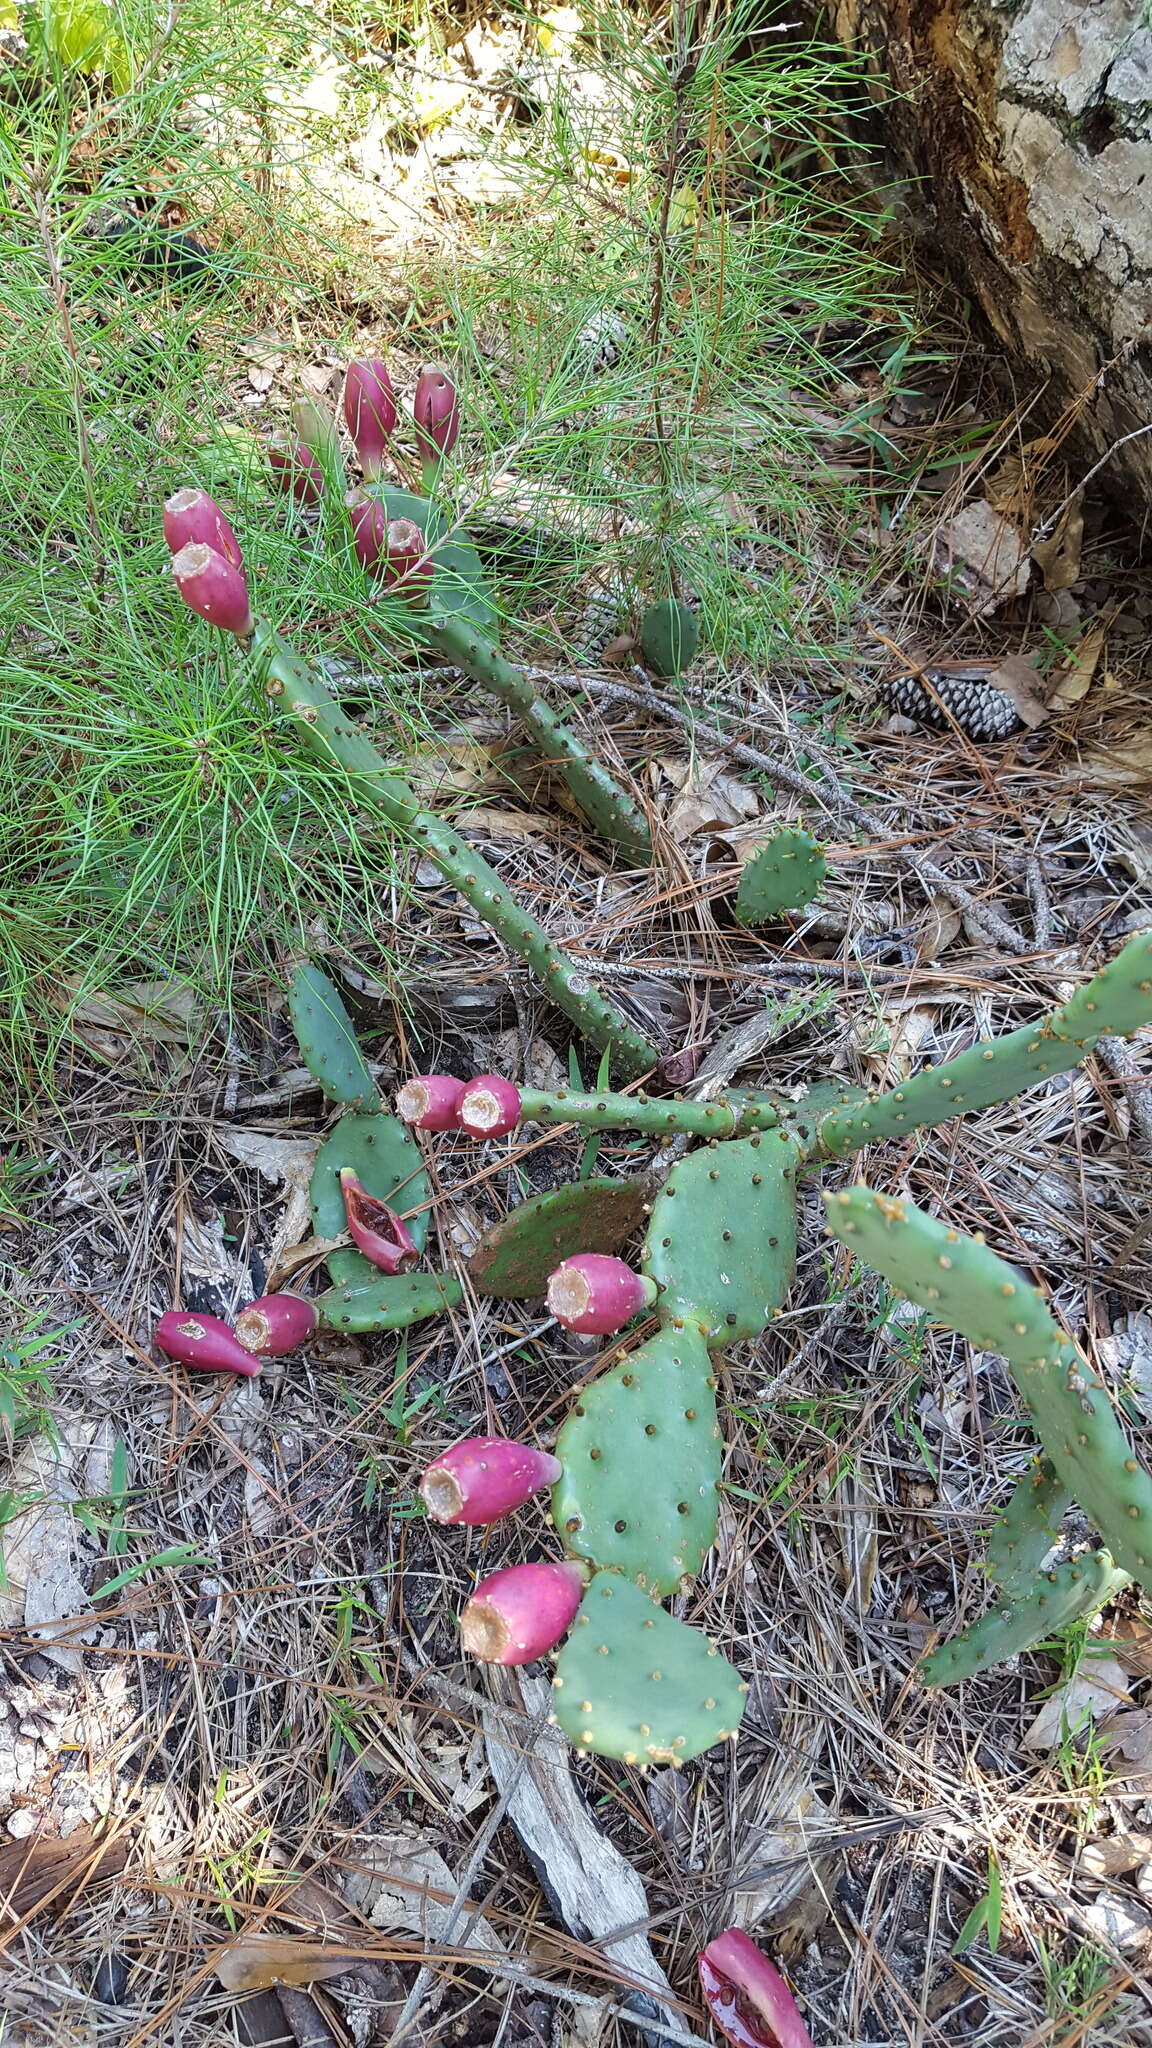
<point>514,1259</point>
<point>327,1039</point>
<point>785,875</point>
<point>633,1683</point>
<point>721,1240</point>
<point>964,1285</point>
<point>641,1458</point>
<point>669,636</point>
<point>387,1161</point>
<point>1022,1619</point>
<point>391,1302</point>
<point>1028,1528</point>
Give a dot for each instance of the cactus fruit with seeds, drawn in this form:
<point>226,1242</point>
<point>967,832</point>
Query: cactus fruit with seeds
<point>785,874</point>
<point>519,1614</point>
<point>516,1257</point>
<point>276,1325</point>
<point>386,1161</point>
<point>376,1230</point>
<point>747,1997</point>
<point>669,637</point>
<point>204,1342</point>
<point>595,1295</point>
<point>295,468</point>
<point>483,1478</point>
<point>430,1102</point>
<point>489,1107</point>
<point>191,517</point>
<point>633,1683</point>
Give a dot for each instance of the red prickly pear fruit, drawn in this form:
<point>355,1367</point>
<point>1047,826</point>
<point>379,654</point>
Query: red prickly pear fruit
<point>489,1107</point>
<point>192,515</point>
<point>204,1342</point>
<point>295,468</point>
<point>369,530</point>
<point>430,1102</point>
<point>276,1325</point>
<point>370,410</point>
<point>747,1997</point>
<point>408,567</point>
<point>436,411</point>
<point>485,1477</point>
<point>215,589</point>
<point>376,1229</point>
<point>595,1295</point>
<point>518,1614</point>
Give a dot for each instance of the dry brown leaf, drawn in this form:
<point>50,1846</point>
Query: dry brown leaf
<point>1094,1689</point>
<point>254,1962</point>
<point>111,1023</point>
<point>1124,765</point>
<point>909,1024</point>
<point>1058,557</point>
<point>400,1880</point>
<point>288,1162</point>
<point>709,799</point>
<point>984,558</point>
<point>1114,1855</point>
<point>1075,675</point>
<point>940,923</point>
<point>1126,1735</point>
<point>1017,678</point>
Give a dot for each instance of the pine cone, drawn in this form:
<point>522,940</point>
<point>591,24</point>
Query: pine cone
<point>980,710</point>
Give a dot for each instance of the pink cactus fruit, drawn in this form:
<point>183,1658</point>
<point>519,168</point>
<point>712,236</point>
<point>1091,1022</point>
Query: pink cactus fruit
<point>370,410</point>
<point>295,468</point>
<point>489,1107</point>
<point>276,1325</point>
<point>376,1229</point>
<point>214,588</point>
<point>747,1997</point>
<point>191,515</point>
<point>484,1477</point>
<point>204,1342</point>
<point>369,530</point>
<point>430,1102</point>
<point>407,564</point>
<point>436,411</point>
<point>595,1295</point>
<point>518,1614</point>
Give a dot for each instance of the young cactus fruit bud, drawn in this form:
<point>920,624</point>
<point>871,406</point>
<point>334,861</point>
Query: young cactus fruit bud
<point>213,587</point>
<point>193,516</point>
<point>369,530</point>
<point>276,1325</point>
<point>370,410</point>
<point>430,1102</point>
<point>595,1295</point>
<point>483,1478</point>
<point>436,411</point>
<point>204,1342</point>
<point>407,565</point>
<point>317,431</point>
<point>489,1107</point>
<point>376,1229</point>
<point>295,468</point>
<point>519,1614</point>
<point>747,1997</point>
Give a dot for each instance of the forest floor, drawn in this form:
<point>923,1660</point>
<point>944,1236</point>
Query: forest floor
<point>252,1790</point>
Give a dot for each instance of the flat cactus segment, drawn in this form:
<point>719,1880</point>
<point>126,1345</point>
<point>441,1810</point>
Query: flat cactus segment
<point>964,1285</point>
<point>326,1036</point>
<point>606,1111</point>
<point>1029,1526</point>
<point>1118,999</point>
<point>515,1258</point>
<point>721,1240</point>
<point>769,1109</point>
<point>785,874</point>
<point>632,1683</point>
<point>391,1302</point>
<point>669,636</point>
<point>641,1458</point>
<point>387,1161</point>
<point>1024,1618</point>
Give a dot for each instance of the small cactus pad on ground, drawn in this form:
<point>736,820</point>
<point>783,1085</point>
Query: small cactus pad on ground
<point>1028,1528</point>
<point>632,1683</point>
<point>641,1458</point>
<point>1026,1617</point>
<point>721,1240</point>
<point>327,1039</point>
<point>669,637</point>
<point>785,875</point>
<point>964,1285</point>
<point>386,1160</point>
<point>515,1258</point>
<point>390,1302</point>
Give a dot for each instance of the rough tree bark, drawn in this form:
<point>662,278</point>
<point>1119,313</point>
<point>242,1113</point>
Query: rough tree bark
<point>1028,124</point>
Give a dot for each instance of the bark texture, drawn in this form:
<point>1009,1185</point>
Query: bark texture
<point>1029,127</point>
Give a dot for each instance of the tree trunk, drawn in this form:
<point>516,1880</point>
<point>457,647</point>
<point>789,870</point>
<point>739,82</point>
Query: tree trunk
<point>1029,128</point>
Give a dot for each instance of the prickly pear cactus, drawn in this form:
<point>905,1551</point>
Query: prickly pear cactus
<point>389,1302</point>
<point>514,1259</point>
<point>1025,1617</point>
<point>327,1039</point>
<point>387,1161</point>
<point>1029,1526</point>
<point>669,637</point>
<point>786,874</point>
<point>721,1241</point>
<point>633,1683</point>
<point>655,1416</point>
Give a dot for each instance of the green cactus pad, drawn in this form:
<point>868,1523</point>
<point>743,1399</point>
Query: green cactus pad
<point>1029,1526</point>
<point>964,1285</point>
<point>459,588</point>
<point>387,1161</point>
<point>514,1259</point>
<point>632,1683</point>
<point>641,1458</point>
<point>769,1109</point>
<point>785,875</point>
<point>326,1036</point>
<point>721,1240</point>
<point>669,637</point>
<point>1025,1618</point>
<point>1118,999</point>
<point>391,1302</point>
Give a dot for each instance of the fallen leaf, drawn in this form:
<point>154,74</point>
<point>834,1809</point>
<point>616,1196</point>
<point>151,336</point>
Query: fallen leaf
<point>710,799</point>
<point>254,1962</point>
<point>1058,557</point>
<point>1075,675</point>
<point>400,1880</point>
<point>938,925</point>
<point>1094,1689</point>
<point>1126,1736</point>
<point>1125,765</point>
<point>1017,678</point>
<point>1114,1855</point>
<point>983,557</point>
